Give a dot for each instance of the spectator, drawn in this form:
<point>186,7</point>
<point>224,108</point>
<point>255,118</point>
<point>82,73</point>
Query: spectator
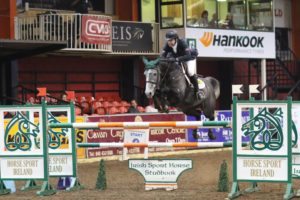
<point>150,109</point>
<point>48,99</point>
<point>203,22</point>
<point>63,100</point>
<point>229,21</point>
<point>31,100</point>
<point>133,107</point>
<point>214,21</point>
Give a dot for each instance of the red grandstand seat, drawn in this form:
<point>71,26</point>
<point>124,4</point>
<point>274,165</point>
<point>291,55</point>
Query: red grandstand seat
<point>96,104</point>
<point>123,109</point>
<point>100,111</point>
<point>90,99</point>
<point>78,111</point>
<point>117,98</point>
<point>124,103</point>
<point>100,99</point>
<point>113,110</point>
<point>110,99</point>
<point>116,104</point>
<point>141,109</point>
<point>82,99</point>
<point>106,104</point>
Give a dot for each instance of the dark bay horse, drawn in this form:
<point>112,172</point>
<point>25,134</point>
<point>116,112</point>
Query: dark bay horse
<point>167,84</point>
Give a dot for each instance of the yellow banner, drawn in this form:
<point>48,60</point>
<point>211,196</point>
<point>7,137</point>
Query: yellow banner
<point>80,138</point>
<point>80,134</point>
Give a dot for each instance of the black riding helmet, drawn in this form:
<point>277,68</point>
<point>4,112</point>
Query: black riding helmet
<point>172,34</point>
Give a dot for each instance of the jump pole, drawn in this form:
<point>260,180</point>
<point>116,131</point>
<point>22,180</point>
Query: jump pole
<point>141,125</point>
<point>158,144</point>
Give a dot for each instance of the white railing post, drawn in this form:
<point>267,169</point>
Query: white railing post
<point>16,27</point>
<point>41,27</point>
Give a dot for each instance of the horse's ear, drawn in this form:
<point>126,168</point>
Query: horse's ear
<point>150,64</point>
<point>145,60</point>
<point>156,61</point>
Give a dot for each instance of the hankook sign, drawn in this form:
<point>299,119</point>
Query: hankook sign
<point>233,43</point>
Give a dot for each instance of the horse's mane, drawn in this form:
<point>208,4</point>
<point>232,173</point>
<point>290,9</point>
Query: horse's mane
<point>164,65</point>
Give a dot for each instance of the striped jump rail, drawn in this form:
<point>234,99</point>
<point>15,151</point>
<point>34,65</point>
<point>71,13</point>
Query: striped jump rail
<point>158,144</point>
<point>141,125</point>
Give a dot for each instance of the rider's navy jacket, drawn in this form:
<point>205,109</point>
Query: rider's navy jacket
<point>183,53</point>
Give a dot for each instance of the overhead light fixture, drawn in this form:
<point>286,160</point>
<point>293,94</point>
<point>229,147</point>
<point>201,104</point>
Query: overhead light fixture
<point>221,0</point>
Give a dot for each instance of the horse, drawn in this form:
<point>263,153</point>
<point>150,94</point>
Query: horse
<point>167,85</point>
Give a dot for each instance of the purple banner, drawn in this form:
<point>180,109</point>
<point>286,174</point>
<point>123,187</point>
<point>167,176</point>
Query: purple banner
<point>222,134</point>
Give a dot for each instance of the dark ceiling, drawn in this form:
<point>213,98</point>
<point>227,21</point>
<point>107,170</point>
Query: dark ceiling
<point>16,49</point>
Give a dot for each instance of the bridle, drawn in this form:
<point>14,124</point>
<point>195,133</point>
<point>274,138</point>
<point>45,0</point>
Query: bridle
<point>159,80</point>
<point>151,80</point>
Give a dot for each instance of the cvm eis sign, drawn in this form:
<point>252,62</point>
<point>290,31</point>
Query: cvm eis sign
<point>95,30</point>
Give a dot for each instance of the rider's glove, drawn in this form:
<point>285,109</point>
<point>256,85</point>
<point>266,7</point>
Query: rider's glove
<point>172,59</point>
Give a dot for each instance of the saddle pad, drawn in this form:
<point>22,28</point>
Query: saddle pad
<point>201,84</point>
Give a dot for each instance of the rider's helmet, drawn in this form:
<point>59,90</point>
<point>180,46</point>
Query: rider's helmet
<point>172,34</point>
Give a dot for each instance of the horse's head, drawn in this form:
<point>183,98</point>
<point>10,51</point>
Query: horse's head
<point>152,76</point>
<point>152,80</point>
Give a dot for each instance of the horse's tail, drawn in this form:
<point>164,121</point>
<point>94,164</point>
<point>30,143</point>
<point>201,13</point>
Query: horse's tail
<point>215,84</point>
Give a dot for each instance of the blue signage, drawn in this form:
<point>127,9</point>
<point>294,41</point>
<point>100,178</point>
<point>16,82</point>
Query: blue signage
<point>222,134</point>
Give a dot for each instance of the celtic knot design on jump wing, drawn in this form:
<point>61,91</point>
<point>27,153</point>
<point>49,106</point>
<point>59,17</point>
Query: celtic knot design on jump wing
<point>294,134</point>
<point>56,134</point>
<point>18,133</point>
<point>265,130</point>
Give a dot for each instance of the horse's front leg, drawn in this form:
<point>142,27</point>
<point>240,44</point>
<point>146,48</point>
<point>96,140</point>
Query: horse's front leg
<point>164,103</point>
<point>157,103</point>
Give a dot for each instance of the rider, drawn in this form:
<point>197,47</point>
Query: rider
<point>177,50</point>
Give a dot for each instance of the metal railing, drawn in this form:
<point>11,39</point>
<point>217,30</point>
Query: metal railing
<point>57,27</point>
<point>67,27</point>
<point>290,61</point>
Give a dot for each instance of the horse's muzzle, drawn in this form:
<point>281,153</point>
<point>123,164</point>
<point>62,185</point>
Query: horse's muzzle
<point>149,94</point>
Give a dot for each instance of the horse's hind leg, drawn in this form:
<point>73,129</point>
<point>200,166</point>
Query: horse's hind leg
<point>209,112</point>
<point>195,134</point>
<point>197,115</point>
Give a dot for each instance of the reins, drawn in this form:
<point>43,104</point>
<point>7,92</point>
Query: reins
<point>165,73</point>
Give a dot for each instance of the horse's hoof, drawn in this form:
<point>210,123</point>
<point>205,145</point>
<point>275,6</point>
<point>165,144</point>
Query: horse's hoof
<point>195,135</point>
<point>211,135</point>
<point>166,109</point>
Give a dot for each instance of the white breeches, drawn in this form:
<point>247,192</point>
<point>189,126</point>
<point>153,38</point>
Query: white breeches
<point>191,67</point>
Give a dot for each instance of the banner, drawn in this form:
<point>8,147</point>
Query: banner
<point>95,30</point>
<point>80,137</point>
<point>232,43</point>
<point>222,134</point>
<point>128,36</point>
<point>117,135</point>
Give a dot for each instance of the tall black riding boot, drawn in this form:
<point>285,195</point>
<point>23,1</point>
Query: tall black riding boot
<point>194,81</point>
